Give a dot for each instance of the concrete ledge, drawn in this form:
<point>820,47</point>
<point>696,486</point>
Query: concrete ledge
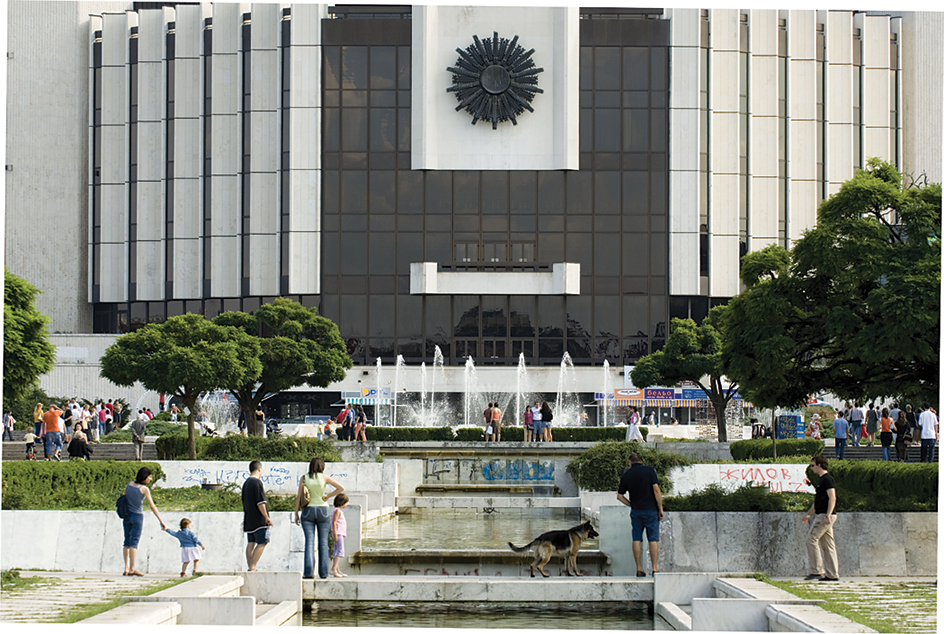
<point>809,618</point>
<point>554,590</point>
<point>674,616</point>
<point>268,615</point>
<point>499,489</point>
<point>138,613</point>
<point>477,563</point>
<point>750,588</point>
<point>205,586</point>
<point>681,587</point>
<point>405,504</point>
<point>211,610</point>
<point>272,587</point>
<point>714,615</point>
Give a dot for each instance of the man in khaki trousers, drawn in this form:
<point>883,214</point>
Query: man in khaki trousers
<point>821,544</point>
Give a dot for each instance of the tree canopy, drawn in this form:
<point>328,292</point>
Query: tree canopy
<point>853,309</point>
<point>297,347</point>
<point>184,356</point>
<point>692,352</point>
<point>27,352</point>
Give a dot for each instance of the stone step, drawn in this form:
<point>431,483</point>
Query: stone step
<point>137,613</point>
<point>875,453</point>
<point>16,450</point>
<point>274,615</point>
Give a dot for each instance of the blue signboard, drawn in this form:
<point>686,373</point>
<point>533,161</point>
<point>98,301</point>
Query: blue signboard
<point>696,394</point>
<point>790,426</point>
<point>660,393</point>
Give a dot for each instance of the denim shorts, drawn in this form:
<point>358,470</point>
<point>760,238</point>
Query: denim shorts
<point>645,519</point>
<point>258,536</point>
<point>133,525</point>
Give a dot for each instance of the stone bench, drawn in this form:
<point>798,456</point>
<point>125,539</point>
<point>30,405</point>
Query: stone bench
<point>138,613</point>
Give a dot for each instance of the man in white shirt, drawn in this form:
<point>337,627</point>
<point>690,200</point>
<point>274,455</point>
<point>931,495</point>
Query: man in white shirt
<point>929,425</point>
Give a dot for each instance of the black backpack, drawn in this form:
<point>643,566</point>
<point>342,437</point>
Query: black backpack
<point>121,506</point>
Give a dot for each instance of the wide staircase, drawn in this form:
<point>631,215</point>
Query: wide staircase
<point>863,452</point>
<point>16,449</point>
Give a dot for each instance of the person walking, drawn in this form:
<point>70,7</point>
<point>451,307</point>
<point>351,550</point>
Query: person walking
<point>886,435</point>
<point>841,434</point>
<point>903,435</point>
<point>52,432</point>
<point>487,419</point>
<point>136,492</point>
<point>339,532</point>
<point>528,424</point>
<point>188,546</point>
<point>537,422</point>
<point>930,427</point>
<point>360,424</point>
<point>816,428</point>
<point>256,520</point>
<point>496,423</point>
<point>315,516</point>
<point>855,421</point>
<point>8,422</point>
<point>645,501</point>
<point>871,423</point>
<point>632,431</point>
<point>820,542</point>
<point>138,427</point>
<point>38,412</point>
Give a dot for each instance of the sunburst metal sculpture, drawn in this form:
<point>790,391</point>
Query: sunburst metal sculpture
<point>495,80</point>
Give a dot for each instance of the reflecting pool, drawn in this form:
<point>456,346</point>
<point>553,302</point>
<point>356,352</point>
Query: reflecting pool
<point>634,615</point>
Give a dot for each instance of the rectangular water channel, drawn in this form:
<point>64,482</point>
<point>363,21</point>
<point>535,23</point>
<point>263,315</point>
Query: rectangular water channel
<point>633,616</point>
<point>467,528</point>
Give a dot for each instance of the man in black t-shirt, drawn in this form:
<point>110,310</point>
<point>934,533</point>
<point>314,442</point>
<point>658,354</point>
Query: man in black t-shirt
<point>645,499</point>
<point>256,521</point>
<point>820,544</point>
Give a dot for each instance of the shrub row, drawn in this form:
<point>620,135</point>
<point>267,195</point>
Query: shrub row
<point>509,434</point>
<point>52,485</point>
<point>155,427</point>
<point>759,448</point>
<point>237,447</point>
<point>599,468</point>
<point>878,485</point>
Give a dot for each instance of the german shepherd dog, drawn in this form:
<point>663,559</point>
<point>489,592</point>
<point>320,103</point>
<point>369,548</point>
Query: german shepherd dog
<point>565,543</point>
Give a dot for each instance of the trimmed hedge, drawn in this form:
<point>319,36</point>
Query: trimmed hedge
<point>883,486</point>
<point>410,434</point>
<point>238,447</point>
<point>744,498</point>
<point>53,485</point>
<point>154,427</point>
<point>599,468</point>
<point>760,448</point>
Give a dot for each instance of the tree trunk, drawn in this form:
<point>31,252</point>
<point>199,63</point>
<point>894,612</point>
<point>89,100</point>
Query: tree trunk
<point>253,426</point>
<point>190,404</point>
<point>720,405</point>
<point>773,429</point>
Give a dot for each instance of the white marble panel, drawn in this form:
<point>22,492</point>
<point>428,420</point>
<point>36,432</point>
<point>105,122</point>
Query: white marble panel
<point>764,208</point>
<point>681,587</point>
<point>683,263</point>
<point>150,269</point>
<point>839,159</point>
<point>264,256</point>
<point>724,280</point>
<point>225,81</point>
<point>188,86</point>
<point>273,587</point>
<point>304,263</point>
<point>921,547</point>
<point>114,154</point>
<point>114,95</point>
<point>723,219</point>
<point>764,142</point>
<point>225,144</point>
<point>305,200</point>
<point>839,37</point>
<point>224,257</point>
<point>264,155</point>
<point>306,24</point>
<point>80,539</point>
<point>188,30</point>
<point>839,93</point>
<point>724,155</point>
<point>684,79</point>
<point>264,213</point>
<point>188,217</point>
<point>684,26</point>
<point>224,205</point>
<point>802,150</point>
<point>266,18</point>
<point>115,31</point>
<point>802,84</point>
<point>114,213</point>
<point>150,35</point>
<point>305,62</point>
<point>266,94</point>
<point>801,35</point>
<point>725,29</point>
<point>763,31</point>
<point>722,79</point>
<point>875,37</point>
<point>31,528</point>
<point>227,18</point>
<point>150,91</point>
<point>720,615</point>
<point>763,86</point>
<point>688,542</point>
<point>683,139</point>
<point>188,269</point>
<point>877,100</point>
<point>683,202</point>
<point>802,211</point>
<point>114,534</point>
<point>114,279</point>
<point>188,141</point>
<point>512,590</point>
<point>878,143</point>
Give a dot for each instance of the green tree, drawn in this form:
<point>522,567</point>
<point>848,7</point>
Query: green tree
<point>297,347</point>
<point>853,309</point>
<point>691,353</point>
<point>27,353</point>
<point>184,356</point>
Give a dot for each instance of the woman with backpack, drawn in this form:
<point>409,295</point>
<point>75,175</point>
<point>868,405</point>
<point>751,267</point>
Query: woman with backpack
<point>133,522</point>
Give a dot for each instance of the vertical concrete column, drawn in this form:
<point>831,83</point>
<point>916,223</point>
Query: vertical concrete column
<point>149,197</point>
<point>895,85</point>
<point>304,266</point>
<point>226,151</point>
<point>723,165</point>
<point>188,152</point>
<point>839,128</point>
<point>114,165</point>
<point>876,94</point>
<point>264,157</point>
<point>684,28</point>
<point>801,121</point>
<point>763,154</point>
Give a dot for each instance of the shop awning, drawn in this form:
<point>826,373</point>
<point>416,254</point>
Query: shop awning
<point>367,401</point>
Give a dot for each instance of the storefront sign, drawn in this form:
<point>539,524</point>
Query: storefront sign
<point>660,393</point>
<point>627,392</point>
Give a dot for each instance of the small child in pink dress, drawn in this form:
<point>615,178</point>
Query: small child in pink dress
<point>339,532</point>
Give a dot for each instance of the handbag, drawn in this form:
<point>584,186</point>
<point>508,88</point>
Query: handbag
<point>306,495</point>
<point>121,506</point>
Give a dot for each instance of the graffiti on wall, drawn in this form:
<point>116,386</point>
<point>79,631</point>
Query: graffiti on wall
<point>779,479</point>
<point>518,471</point>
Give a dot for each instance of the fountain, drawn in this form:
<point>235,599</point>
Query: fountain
<point>607,392</point>
<point>471,388</point>
<point>567,406</point>
<point>396,387</point>
<point>438,372</point>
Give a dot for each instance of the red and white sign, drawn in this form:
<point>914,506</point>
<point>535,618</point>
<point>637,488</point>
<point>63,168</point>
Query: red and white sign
<point>627,392</point>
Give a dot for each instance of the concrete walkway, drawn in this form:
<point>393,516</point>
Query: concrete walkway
<point>58,593</point>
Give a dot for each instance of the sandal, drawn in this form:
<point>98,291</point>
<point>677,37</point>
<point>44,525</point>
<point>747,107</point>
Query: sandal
<point>640,573</point>
<point>135,573</point>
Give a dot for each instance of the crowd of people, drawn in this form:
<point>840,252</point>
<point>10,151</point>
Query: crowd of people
<point>901,427</point>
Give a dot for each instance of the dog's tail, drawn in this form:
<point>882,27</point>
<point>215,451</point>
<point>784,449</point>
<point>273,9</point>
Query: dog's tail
<point>521,549</point>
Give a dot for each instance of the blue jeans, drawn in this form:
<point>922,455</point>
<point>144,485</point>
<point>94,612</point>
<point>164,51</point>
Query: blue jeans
<point>316,518</point>
<point>133,525</point>
<point>927,449</point>
<point>7,432</point>
<point>856,432</point>
<point>840,448</point>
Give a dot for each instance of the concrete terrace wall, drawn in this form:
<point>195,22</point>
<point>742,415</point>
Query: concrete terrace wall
<point>895,544</point>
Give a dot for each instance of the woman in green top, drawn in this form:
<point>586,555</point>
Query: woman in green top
<point>315,515</point>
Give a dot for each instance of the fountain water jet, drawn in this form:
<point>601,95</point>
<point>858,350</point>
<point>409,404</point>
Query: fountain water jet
<point>607,390</point>
<point>396,387</point>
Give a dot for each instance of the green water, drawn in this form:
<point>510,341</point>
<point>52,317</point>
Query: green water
<point>463,529</point>
<point>525,616</point>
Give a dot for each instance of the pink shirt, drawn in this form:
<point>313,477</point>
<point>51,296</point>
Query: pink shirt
<point>339,523</point>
